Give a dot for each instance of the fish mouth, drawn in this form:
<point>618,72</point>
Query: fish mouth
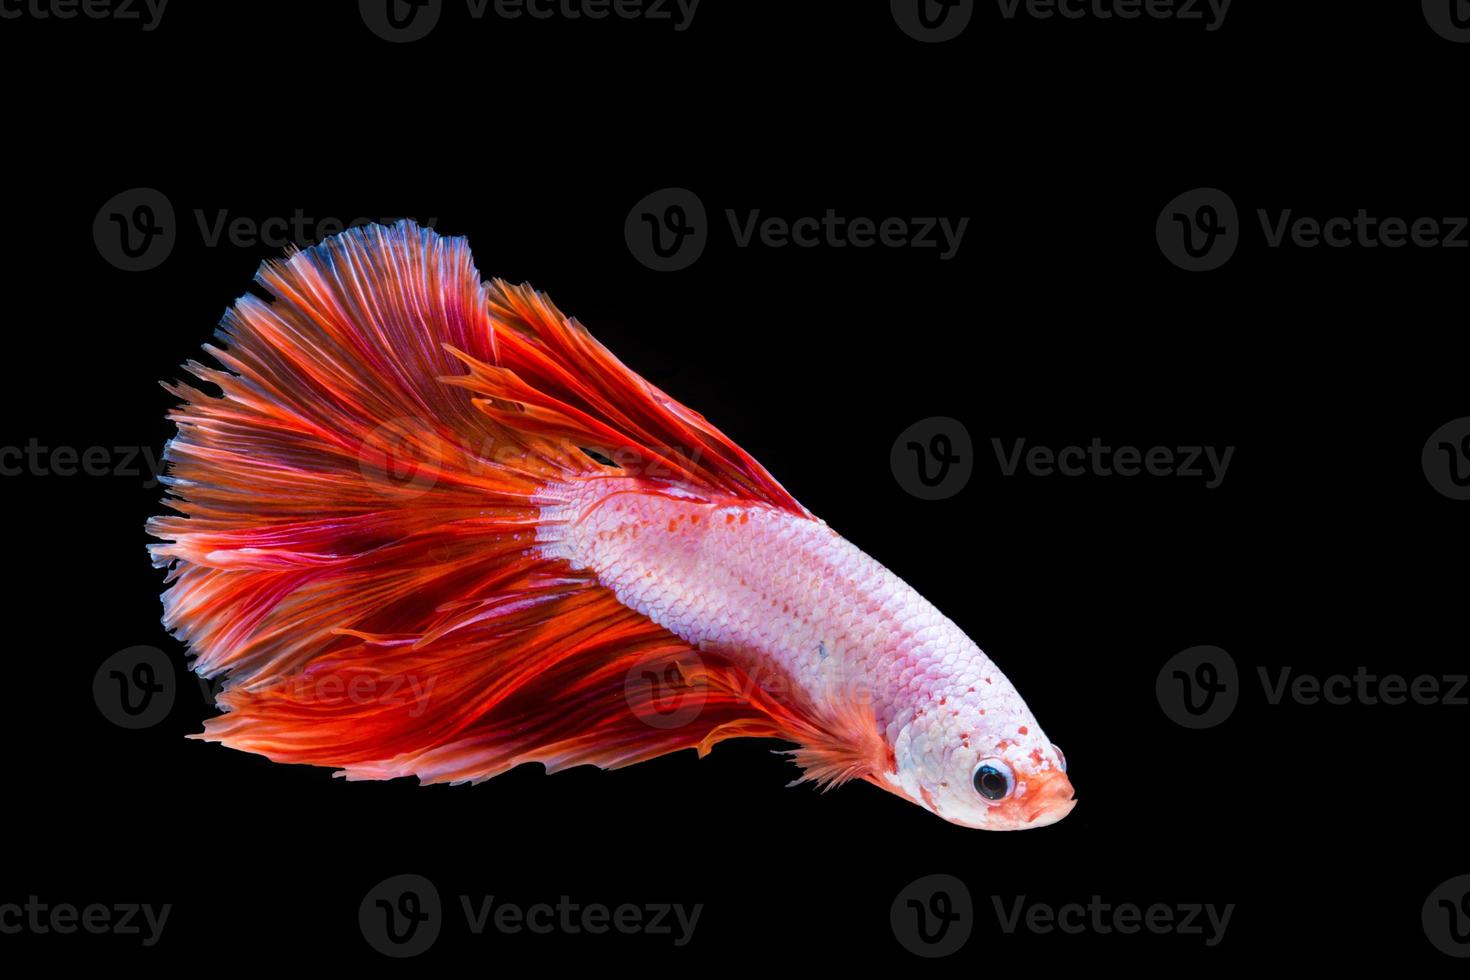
<point>1051,801</point>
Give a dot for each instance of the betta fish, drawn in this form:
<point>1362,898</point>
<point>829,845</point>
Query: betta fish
<point>428,526</point>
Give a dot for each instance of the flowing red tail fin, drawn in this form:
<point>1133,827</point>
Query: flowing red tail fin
<point>356,512</point>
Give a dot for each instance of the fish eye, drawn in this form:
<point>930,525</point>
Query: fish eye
<point>992,780</point>
<point>1061,759</point>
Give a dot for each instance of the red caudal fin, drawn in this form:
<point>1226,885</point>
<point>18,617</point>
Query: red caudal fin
<point>352,551</point>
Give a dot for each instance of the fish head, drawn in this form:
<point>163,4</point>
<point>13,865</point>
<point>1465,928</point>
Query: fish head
<point>979,759</point>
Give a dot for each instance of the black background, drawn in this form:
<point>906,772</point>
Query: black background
<point>1059,320</point>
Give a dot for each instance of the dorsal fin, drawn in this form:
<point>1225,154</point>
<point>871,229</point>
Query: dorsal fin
<point>550,376</point>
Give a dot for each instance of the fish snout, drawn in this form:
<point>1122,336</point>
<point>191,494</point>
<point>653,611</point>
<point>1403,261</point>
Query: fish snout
<point>1049,801</point>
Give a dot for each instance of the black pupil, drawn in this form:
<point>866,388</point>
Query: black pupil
<point>990,782</point>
